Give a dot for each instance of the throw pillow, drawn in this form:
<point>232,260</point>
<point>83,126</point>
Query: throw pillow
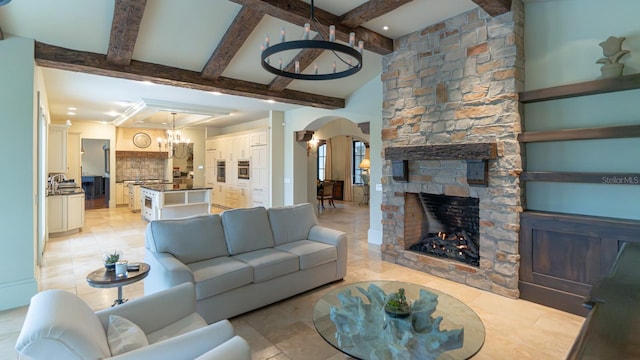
<point>123,335</point>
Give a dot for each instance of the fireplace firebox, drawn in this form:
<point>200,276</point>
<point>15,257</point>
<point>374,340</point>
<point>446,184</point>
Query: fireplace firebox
<point>444,226</point>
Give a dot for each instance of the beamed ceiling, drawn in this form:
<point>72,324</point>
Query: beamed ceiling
<point>136,25</point>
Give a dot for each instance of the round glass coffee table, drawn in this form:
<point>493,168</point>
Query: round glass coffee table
<point>353,320</point>
<point>103,278</point>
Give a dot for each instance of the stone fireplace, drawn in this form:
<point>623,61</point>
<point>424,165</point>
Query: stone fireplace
<point>447,89</point>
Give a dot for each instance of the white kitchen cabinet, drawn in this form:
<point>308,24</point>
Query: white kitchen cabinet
<point>75,211</point>
<point>244,197</point>
<point>219,194</point>
<point>119,193</point>
<point>57,149</point>
<point>65,213</point>
<point>241,147</point>
<point>134,198</point>
<point>259,176</point>
<point>210,168</point>
<point>258,137</point>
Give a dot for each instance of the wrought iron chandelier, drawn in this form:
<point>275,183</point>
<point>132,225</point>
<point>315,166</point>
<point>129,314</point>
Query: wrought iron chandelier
<point>348,55</point>
<point>174,144</point>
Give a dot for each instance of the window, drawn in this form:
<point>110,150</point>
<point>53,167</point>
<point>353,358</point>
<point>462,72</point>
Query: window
<point>359,151</point>
<point>322,155</point>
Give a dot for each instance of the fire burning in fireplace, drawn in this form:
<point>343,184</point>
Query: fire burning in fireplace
<point>456,245</point>
<point>448,226</point>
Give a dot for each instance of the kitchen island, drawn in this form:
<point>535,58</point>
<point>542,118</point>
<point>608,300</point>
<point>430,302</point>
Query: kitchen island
<point>162,201</point>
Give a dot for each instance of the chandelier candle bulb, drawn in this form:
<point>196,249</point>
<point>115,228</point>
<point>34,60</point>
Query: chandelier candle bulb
<point>352,38</point>
<point>266,41</point>
<point>332,33</point>
<point>334,67</point>
<point>307,28</point>
<point>282,33</point>
<point>315,68</point>
<point>280,64</point>
<point>297,67</point>
<point>360,46</point>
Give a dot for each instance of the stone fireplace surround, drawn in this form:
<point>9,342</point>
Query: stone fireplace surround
<point>455,83</point>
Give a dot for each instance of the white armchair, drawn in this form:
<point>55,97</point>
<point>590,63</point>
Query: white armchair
<point>59,325</point>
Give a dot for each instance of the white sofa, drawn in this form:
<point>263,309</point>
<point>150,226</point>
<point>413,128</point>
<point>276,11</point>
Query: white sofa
<point>244,259</point>
<point>59,325</point>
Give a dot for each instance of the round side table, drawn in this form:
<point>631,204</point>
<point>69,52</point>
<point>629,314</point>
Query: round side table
<point>101,278</point>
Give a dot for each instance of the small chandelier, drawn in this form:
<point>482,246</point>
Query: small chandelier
<point>172,142</point>
<point>348,55</point>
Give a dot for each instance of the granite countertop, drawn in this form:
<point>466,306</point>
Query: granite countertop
<point>169,187</point>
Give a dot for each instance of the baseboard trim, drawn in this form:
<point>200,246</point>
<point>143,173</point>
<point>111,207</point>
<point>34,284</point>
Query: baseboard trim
<point>374,237</point>
<point>17,294</point>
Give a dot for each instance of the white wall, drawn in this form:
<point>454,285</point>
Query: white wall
<point>561,47</point>
<point>18,197</point>
<point>364,105</point>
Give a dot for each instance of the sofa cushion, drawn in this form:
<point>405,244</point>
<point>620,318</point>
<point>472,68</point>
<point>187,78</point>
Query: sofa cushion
<point>182,326</point>
<point>189,240</point>
<point>123,335</point>
<point>269,263</point>
<point>247,230</point>
<point>311,253</point>
<point>291,223</point>
<point>215,276</point>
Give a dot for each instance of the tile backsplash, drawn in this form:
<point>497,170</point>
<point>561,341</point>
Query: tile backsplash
<point>140,168</point>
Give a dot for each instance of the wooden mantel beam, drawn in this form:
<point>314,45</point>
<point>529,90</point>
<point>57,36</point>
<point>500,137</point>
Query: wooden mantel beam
<point>242,26</point>
<point>494,7</point>
<point>127,16</point>
<point>297,12</point>
<point>91,63</point>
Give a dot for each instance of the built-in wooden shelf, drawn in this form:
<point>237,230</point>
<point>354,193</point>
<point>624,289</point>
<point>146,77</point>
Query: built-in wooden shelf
<point>609,132</point>
<point>622,83</point>
<point>582,177</point>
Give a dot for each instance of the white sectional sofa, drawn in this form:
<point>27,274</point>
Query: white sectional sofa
<point>244,259</point>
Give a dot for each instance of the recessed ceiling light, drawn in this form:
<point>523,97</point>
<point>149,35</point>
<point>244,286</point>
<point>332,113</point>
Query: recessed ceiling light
<point>147,82</point>
<point>71,113</point>
<point>122,103</point>
<point>270,101</point>
<point>72,108</point>
<point>385,28</point>
<point>112,113</point>
<point>104,122</point>
<point>216,93</point>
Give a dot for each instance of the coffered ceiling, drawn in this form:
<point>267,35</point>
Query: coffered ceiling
<point>104,57</point>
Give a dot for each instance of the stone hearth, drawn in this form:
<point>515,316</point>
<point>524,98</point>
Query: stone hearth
<point>456,83</point>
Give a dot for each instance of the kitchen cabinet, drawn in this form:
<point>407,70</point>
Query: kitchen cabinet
<point>134,197</point>
<point>65,213</point>
<point>258,138</point>
<point>122,194</point>
<point>241,147</point>
<point>219,194</point>
<point>57,149</point>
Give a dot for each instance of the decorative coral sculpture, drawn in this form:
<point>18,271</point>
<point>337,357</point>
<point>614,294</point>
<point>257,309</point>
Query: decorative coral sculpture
<point>612,49</point>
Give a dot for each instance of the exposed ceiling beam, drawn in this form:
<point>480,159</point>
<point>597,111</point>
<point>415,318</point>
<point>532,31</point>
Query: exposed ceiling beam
<point>368,11</point>
<point>92,63</point>
<point>242,26</point>
<point>297,12</point>
<point>127,16</point>
<point>494,7</point>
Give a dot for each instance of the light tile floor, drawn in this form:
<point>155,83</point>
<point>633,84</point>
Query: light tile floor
<point>515,329</point>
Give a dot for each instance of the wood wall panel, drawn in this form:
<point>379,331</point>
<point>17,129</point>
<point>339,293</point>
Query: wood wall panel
<point>564,255</point>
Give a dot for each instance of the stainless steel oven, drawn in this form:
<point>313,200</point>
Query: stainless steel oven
<point>243,169</point>
<point>220,173</point>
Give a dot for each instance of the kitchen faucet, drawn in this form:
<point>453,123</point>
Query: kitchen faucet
<point>55,180</point>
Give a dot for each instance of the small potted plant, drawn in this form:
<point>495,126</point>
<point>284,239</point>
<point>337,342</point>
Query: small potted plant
<point>111,258</point>
<point>397,305</point>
